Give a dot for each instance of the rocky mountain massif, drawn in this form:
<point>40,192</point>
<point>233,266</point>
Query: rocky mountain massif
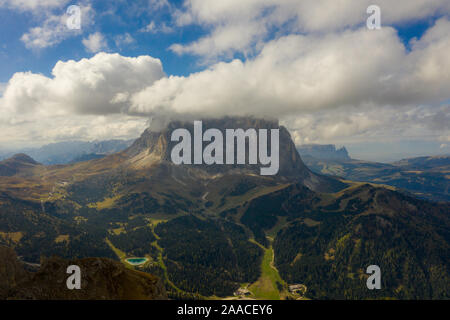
<point>209,230</point>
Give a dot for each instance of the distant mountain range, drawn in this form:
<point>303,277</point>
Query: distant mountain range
<point>424,177</point>
<point>209,230</point>
<point>326,151</point>
<point>71,151</point>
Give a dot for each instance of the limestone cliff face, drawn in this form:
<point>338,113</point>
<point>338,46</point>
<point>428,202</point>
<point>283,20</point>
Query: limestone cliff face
<point>157,146</point>
<point>101,279</point>
<point>154,148</point>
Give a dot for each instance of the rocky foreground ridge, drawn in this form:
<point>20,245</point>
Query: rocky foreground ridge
<point>101,279</point>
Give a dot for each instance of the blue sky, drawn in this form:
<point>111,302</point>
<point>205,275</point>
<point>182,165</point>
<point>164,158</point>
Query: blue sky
<point>16,57</point>
<point>312,64</point>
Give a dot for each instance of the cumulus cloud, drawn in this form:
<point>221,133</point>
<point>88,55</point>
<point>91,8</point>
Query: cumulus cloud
<point>95,42</point>
<point>299,73</point>
<point>237,26</point>
<point>88,86</point>
<point>79,99</point>
<point>343,84</point>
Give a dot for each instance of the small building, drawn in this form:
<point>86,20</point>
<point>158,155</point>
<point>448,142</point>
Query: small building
<point>242,292</point>
<point>297,289</point>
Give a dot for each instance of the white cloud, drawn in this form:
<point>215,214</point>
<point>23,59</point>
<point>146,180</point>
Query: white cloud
<point>225,41</point>
<point>123,40</point>
<point>95,42</point>
<point>369,123</point>
<point>54,30</point>
<point>75,127</point>
<point>32,5</point>
<point>347,83</point>
<point>297,73</point>
<point>153,28</point>
<point>240,26</point>
<point>83,99</point>
<point>80,87</point>
<point>158,4</point>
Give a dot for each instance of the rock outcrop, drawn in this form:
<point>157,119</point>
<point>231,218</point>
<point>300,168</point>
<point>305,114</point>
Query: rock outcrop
<point>101,279</point>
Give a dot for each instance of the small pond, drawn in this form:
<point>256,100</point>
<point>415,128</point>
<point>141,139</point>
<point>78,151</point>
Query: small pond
<point>136,261</point>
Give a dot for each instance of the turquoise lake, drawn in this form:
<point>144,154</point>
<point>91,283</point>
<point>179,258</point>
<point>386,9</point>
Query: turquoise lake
<point>136,261</point>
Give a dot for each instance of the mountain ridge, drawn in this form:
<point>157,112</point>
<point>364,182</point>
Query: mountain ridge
<point>17,163</point>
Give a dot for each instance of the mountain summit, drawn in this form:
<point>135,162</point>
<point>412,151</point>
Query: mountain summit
<point>16,164</point>
<point>154,148</point>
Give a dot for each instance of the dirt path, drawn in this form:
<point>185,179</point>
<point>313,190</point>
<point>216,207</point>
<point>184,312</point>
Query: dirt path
<point>272,263</point>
